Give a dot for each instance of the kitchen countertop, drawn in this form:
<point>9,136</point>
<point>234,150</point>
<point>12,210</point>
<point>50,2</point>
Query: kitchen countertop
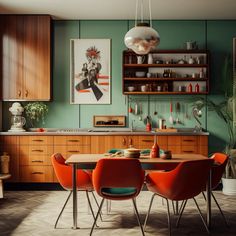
<point>112,131</point>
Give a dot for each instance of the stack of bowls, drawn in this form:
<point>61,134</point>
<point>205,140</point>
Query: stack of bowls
<point>132,152</point>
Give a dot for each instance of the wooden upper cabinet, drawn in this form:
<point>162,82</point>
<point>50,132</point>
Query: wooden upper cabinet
<point>26,72</point>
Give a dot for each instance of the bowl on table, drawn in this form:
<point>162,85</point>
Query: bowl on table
<point>132,153</point>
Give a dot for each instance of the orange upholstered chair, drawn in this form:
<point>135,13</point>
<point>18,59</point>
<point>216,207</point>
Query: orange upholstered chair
<point>118,179</point>
<point>64,175</point>
<point>184,182</point>
<point>218,168</point>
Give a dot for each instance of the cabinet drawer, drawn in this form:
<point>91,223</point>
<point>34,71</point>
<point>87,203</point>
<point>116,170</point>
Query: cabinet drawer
<point>188,140</point>
<point>35,150</point>
<point>146,141</point>
<point>36,174</point>
<point>72,140</point>
<point>174,140</point>
<point>36,160</point>
<point>189,149</point>
<point>36,140</point>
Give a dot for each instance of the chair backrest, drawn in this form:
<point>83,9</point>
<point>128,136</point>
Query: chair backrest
<point>118,173</point>
<point>220,162</point>
<point>185,181</point>
<point>64,174</point>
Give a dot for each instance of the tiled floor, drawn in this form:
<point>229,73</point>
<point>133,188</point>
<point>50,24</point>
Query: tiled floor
<point>32,213</point>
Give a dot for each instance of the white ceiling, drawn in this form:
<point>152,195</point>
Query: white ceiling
<point>122,9</point>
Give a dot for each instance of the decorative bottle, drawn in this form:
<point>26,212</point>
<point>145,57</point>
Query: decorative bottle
<point>155,150</point>
<point>197,88</point>
<point>148,125</point>
<point>190,88</point>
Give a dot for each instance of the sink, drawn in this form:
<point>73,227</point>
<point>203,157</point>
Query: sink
<point>190,130</point>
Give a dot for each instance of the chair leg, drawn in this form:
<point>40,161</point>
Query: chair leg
<point>204,196</point>
<point>137,215</point>
<point>173,207</point>
<point>200,213</point>
<point>168,216</point>
<point>96,201</point>
<point>95,221</point>
<point>55,226</point>
<point>182,207</point>
<point>90,205</point>
<point>221,212</point>
<point>149,209</point>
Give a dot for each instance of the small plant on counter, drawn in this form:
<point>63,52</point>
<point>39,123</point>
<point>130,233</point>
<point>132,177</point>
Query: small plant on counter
<point>36,112</point>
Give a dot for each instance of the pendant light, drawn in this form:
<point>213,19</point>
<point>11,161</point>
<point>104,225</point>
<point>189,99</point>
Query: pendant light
<point>142,38</point>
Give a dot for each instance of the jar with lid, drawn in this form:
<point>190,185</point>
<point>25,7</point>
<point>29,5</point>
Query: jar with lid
<point>5,159</point>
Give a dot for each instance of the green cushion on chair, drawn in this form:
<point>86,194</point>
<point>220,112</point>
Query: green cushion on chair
<point>118,191</point>
<point>113,151</point>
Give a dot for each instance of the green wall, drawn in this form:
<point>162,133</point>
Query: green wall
<point>213,35</point>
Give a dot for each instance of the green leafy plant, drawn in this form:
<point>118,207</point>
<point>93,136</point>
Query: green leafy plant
<point>36,112</point>
<point>224,109</point>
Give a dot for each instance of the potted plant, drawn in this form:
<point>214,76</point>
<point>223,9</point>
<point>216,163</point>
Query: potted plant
<point>224,110</point>
<point>36,112</point>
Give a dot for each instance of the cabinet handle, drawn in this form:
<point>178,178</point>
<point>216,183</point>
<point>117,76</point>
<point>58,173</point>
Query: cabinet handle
<point>188,140</point>
<point>37,161</point>
<point>147,141</point>
<point>26,93</point>
<point>124,141</point>
<point>19,93</point>
<point>74,140</point>
<point>188,151</point>
<point>37,140</point>
<point>37,173</point>
<point>37,150</point>
<point>73,151</point>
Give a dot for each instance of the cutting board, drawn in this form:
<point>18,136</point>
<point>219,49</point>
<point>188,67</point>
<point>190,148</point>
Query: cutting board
<point>167,130</point>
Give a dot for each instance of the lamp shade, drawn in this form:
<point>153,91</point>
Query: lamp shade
<point>142,39</point>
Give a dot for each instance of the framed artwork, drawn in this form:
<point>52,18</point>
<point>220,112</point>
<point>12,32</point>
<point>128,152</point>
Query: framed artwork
<point>90,71</point>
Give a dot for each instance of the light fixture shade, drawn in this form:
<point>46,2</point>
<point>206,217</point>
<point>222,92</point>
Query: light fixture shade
<point>142,39</point>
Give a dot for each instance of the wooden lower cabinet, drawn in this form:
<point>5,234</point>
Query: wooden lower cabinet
<point>30,155</point>
<point>188,144</point>
<point>34,158</point>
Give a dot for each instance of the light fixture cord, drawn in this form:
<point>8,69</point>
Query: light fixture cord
<point>142,11</point>
<point>150,13</point>
<point>136,13</point>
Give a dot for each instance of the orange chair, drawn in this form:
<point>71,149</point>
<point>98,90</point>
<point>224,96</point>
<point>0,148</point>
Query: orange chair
<point>218,168</point>
<point>64,175</point>
<point>118,179</point>
<point>184,182</point>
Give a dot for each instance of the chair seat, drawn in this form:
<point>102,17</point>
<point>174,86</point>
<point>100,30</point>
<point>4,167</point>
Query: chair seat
<point>119,191</point>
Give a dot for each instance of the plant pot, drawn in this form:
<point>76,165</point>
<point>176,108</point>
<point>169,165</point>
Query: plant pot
<point>229,186</point>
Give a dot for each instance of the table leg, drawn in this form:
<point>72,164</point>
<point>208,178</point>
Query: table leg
<point>208,198</point>
<point>74,177</point>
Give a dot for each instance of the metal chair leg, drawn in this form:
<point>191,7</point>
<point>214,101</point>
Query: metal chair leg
<point>149,209</point>
<point>95,221</point>
<point>200,213</point>
<point>96,201</point>
<point>173,207</point>
<point>137,215</point>
<point>168,216</point>
<point>182,207</point>
<point>55,226</point>
<point>204,196</point>
<point>90,205</point>
<point>221,212</point>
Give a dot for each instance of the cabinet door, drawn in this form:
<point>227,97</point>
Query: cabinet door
<point>37,54</point>
<point>12,56</point>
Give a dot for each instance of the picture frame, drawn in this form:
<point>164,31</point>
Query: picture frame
<point>234,81</point>
<point>90,71</point>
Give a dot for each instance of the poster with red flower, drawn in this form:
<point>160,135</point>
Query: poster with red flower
<point>90,71</point>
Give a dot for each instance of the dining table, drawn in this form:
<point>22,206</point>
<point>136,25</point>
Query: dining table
<point>88,162</point>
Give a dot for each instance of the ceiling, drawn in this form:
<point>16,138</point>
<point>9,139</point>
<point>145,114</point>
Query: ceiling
<point>122,9</point>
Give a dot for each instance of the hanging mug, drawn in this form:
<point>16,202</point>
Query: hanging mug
<point>140,59</point>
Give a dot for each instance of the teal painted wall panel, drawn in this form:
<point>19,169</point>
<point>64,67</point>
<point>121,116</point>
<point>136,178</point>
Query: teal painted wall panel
<point>114,30</point>
<point>61,113</point>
